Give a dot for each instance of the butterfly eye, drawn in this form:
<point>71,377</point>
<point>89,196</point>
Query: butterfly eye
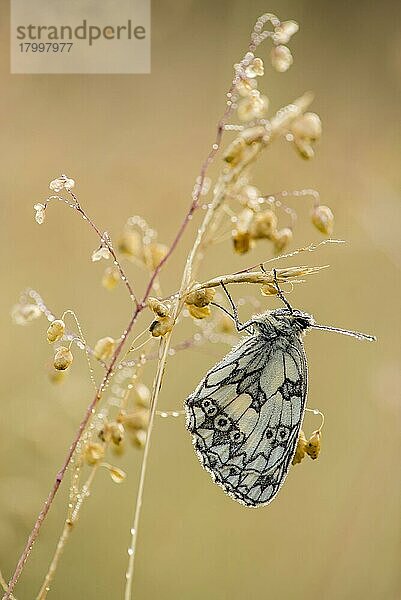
<point>269,434</point>
<point>236,436</point>
<point>209,408</point>
<point>222,423</point>
<point>283,434</point>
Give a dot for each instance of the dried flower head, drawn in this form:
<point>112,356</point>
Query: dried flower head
<point>255,69</point>
<point>24,314</point>
<point>142,395</point>
<point>110,278</point>
<point>323,219</point>
<point>281,58</point>
<point>282,239</point>
<point>200,298</point>
<point>159,308</point>
<point>242,241</point>
<point>117,475</point>
<point>104,348</point>
<point>254,106</point>
<point>301,449</point>
<point>93,453</point>
<point>198,312</point>
<point>313,446</point>
<point>139,438</point>
<point>155,253</point>
<point>264,224</point>
<point>39,213</point>
<point>62,358</point>
<point>161,326</point>
<point>138,419</point>
<point>130,244</point>
<point>100,253</point>
<point>55,331</point>
<point>234,152</point>
<point>245,86</point>
<point>284,32</point>
<point>307,127</point>
<point>268,289</point>
<point>62,182</point>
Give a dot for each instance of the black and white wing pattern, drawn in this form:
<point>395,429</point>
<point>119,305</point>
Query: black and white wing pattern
<point>245,416</point>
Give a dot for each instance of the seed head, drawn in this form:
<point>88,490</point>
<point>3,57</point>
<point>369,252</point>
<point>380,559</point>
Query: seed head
<point>234,153</point>
<point>284,32</point>
<point>93,453</point>
<point>130,244</point>
<point>323,219</point>
<point>138,419</point>
<point>301,449</point>
<point>307,127</point>
<point>142,395</point>
<point>245,86</point>
<point>100,253</point>
<point>160,309</point>
<point>268,289</point>
<point>62,358</point>
<point>281,58</point>
<point>117,475</point>
<point>313,446</point>
<point>200,298</point>
<point>139,438</point>
<point>110,278</point>
<point>254,106</point>
<point>282,239</point>
<point>55,331</point>
<point>39,213</point>
<point>199,312</point>
<point>264,224</point>
<point>161,326</point>
<point>23,314</point>
<point>242,241</point>
<point>255,69</point>
<point>156,253</point>
<point>104,348</point>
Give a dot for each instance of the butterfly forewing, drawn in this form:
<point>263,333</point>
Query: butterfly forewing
<point>246,414</point>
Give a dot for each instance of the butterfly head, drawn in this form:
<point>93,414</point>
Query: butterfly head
<point>283,321</point>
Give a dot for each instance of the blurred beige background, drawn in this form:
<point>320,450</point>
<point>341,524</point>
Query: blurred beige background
<point>134,144</point>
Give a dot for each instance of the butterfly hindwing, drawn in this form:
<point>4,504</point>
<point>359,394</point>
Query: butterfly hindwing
<point>245,416</point>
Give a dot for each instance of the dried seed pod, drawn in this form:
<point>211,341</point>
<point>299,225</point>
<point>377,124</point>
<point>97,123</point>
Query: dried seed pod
<point>255,69</point>
<point>301,449</point>
<point>200,298</point>
<point>138,439</point>
<point>199,312</point>
<point>138,419</point>
<point>39,213</point>
<point>253,134</point>
<point>323,219</point>
<point>284,32</point>
<point>245,86</point>
<point>160,327</point>
<point>93,453</point>
<point>155,253</point>
<point>100,253</point>
<point>62,358</point>
<point>268,289</point>
<point>242,241</point>
<point>234,152</point>
<point>130,244</point>
<point>117,475</point>
<point>117,433</point>
<point>55,331</point>
<point>307,127</point>
<point>23,314</point>
<point>313,446</point>
<point>264,225</point>
<point>104,348</point>
<point>110,278</point>
<point>142,395</point>
<point>304,148</point>
<point>160,309</point>
<point>281,58</point>
<point>282,239</point>
<point>254,106</point>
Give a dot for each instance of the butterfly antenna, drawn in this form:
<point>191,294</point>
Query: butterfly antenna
<point>356,334</point>
<point>279,290</point>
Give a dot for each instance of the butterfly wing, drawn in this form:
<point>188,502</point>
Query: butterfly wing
<point>245,416</point>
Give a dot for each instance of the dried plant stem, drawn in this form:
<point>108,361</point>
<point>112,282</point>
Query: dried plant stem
<point>164,348</point>
<point>60,475</point>
<point>67,529</point>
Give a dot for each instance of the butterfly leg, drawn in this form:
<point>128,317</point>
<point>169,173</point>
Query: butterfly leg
<point>240,326</point>
<point>279,290</point>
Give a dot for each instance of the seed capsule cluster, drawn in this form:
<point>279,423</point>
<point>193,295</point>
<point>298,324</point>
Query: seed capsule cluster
<point>310,447</point>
